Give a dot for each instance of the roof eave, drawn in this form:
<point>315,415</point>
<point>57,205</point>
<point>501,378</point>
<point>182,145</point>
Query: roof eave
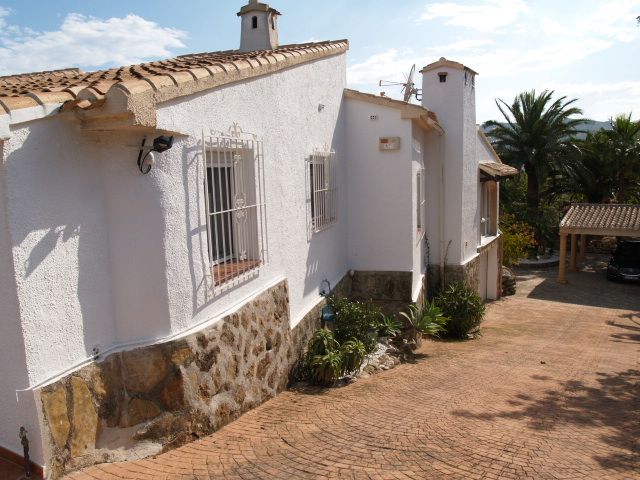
<point>424,118</point>
<point>133,103</point>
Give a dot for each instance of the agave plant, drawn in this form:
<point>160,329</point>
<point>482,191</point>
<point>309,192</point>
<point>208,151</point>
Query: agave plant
<point>427,319</point>
<point>388,326</point>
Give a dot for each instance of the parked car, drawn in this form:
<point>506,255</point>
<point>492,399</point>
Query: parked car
<point>625,263</point>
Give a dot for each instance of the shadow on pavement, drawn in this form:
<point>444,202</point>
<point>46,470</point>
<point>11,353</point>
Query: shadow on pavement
<point>611,404</point>
<point>588,287</point>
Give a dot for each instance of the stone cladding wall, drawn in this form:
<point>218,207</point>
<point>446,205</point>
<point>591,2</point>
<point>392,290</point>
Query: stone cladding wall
<point>162,396</point>
<point>391,291</point>
<point>469,274</point>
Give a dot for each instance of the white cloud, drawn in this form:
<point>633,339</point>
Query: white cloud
<point>535,43</point>
<point>486,16</point>
<point>598,100</point>
<point>605,99</point>
<point>388,65</point>
<point>85,41</point>
<point>4,12</point>
<point>393,63</point>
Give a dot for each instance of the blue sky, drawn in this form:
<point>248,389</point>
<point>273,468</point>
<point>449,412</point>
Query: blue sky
<point>587,49</point>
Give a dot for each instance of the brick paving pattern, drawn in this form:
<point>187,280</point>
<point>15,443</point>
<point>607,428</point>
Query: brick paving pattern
<point>550,390</point>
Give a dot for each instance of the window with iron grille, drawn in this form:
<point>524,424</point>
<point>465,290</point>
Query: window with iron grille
<point>235,206</point>
<point>321,174</point>
<point>420,202</point>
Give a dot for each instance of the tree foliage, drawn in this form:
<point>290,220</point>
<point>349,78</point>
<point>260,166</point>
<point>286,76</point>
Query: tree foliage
<point>536,132</point>
<point>539,136</point>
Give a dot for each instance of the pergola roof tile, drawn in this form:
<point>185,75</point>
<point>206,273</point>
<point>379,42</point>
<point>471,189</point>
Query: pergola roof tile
<point>498,170</point>
<point>602,219</point>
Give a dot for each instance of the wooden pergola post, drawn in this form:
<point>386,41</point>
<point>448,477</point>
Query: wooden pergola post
<point>562,270</point>
<point>583,247</point>
<point>574,253</point>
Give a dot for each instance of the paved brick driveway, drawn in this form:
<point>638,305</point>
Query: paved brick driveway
<point>551,390</point>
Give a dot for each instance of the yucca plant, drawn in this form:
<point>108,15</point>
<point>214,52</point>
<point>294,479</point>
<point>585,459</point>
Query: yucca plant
<point>352,352</point>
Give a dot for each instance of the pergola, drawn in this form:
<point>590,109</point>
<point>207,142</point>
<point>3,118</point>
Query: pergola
<point>594,219</point>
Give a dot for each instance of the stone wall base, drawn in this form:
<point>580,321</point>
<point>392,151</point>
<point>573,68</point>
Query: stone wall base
<point>469,274</point>
<point>391,291</point>
<point>143,401</point>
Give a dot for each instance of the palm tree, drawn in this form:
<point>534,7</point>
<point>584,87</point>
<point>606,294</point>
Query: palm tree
<point>624,140</point>
<point>536,131</point>
<point>587,171</point>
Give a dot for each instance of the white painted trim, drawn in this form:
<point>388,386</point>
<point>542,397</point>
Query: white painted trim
<point>416,291</point>
<point>34,113</point>
<point>5,123</point>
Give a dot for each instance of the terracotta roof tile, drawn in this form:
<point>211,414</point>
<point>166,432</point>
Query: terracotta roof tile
<point>604,218</point>
<point>26,90</point>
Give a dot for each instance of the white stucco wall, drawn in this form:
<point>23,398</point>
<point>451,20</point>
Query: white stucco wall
<point>381,234</point>
<point>15,410</point>
<point>446,100</point>
<point>454,103</point>
<point>264,37</point>
<point>470,174</point>
<point>483,153</point>
<point>434,195</point>
<point>418,240</point>
<point>283,111</point>
<point>59,305</point>
<point>95,254</point>
<point>58,229</point>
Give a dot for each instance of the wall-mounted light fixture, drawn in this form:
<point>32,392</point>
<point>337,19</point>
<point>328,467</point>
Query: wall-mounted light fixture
<point>146,160</point>
<point>328,315</point>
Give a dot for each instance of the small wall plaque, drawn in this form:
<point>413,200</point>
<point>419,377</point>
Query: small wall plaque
<point>389,143</point>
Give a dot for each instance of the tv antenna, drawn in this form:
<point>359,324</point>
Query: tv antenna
<point>408,86</point>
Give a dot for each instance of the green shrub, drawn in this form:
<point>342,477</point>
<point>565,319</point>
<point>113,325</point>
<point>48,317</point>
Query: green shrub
<point>517,239</point>
<point>352,352</point>
<point>326,369</point>
<point>389,326</point>
<point>357,320</point>
<point>464,308</point>
<point>326,360</point>
<point>321,343</point>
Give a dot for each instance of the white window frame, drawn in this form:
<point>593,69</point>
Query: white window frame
<point>321,190</point>
<point>489,209</point>
<point>235,216</point>
<point>420,204</point>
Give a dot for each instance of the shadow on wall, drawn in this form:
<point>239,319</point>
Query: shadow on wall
<point>196,234</point>
<point>326,256</point>
<point>54,187</point>
<point>610,404</point>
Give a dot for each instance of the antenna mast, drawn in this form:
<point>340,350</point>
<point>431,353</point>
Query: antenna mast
<point>408,87</point>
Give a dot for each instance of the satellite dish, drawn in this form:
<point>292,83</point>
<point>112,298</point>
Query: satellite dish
<point>408,87</point>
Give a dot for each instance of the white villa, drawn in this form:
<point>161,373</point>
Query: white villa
<point>167,229</point>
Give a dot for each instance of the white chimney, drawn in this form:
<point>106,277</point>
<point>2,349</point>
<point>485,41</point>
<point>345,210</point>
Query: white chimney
<point>259,27</point>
